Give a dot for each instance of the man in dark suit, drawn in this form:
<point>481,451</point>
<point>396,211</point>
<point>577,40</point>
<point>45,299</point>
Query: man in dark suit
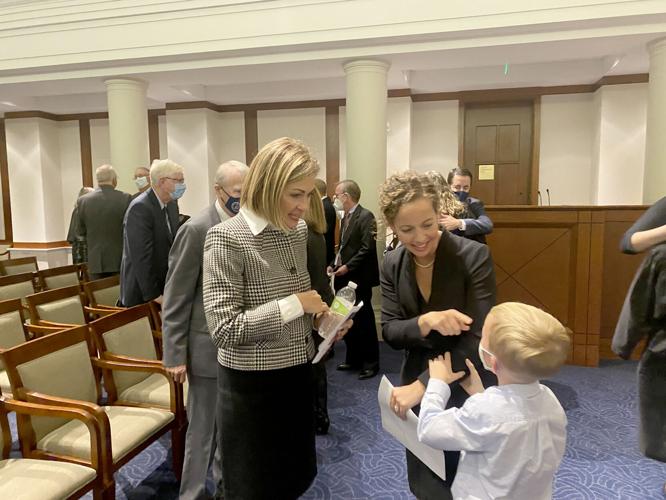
<point>151,222</point>
<point>477,224</point>
<point>331,219</point>
<point>189,352</point>
<point>100,216</point>
<point>356,261</point>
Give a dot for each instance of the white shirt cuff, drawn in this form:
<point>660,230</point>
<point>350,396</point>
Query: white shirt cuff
<point>290,308</point>
<point>463,226</point>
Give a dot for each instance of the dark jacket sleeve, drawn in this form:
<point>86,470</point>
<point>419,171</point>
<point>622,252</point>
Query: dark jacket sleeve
<point>139,234</point>
<point>481,291</point>
<point>481,223</point>
<point>368,241</point>
<point>653,217</point>
<point>317,266</point>
<point>73,231</point>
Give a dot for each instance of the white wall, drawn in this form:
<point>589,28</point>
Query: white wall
<point>307,125</point>
<point>434,135</point>
<point>398,134</point>
<point>621,160</point>
<point>70,168</point>
<point>99,143</point>
<point>231,138</point>
<point>566,148</point>
<point>162,131</point>
<point>49,138</point>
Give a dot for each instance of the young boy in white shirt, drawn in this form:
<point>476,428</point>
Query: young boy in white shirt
<point>512,436</point>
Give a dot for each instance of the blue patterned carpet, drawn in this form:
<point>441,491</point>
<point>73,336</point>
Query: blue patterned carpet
<point>357,460</point>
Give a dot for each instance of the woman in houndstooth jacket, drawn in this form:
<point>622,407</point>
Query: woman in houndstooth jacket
<point>259,307</point>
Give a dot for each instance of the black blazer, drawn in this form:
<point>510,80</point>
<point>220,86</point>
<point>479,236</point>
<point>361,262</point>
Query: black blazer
<point>317,266</point>
<point>358,250</point>
<point>100,216</point>
<point>331,219</point>
<point>463,279</point>
<point>146,245</point>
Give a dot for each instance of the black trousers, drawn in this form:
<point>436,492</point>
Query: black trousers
<point>361,339</point>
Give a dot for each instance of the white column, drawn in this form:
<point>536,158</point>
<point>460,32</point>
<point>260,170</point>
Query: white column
<point>128,128</point>
<point>366,128</point>
<point>654,177</point>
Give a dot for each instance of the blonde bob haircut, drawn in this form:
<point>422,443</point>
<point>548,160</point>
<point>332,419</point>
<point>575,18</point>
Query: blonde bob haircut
<point>527,340</point>
<point>278,164</point>
<point>314,216</point>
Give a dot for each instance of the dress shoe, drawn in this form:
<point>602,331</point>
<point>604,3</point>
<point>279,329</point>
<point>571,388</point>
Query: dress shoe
<point>369,373</point>
<point>346,367</point>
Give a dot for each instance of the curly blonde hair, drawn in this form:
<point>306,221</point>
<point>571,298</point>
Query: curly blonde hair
<point>405,187</point>
<point>450,205</point>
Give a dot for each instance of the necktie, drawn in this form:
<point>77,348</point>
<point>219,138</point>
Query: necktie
<point>166,217</point>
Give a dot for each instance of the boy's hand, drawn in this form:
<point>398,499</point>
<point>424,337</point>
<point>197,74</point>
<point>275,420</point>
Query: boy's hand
<point>472,384</point>
<point>440,368</point>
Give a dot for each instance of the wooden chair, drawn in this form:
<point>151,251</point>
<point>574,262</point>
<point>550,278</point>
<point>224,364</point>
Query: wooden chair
<point>63,276</point>
<point>103,293</point>
<point>14,331</point>
<point>17,286</point>
<point>59,369</point>
<point>32,479</point>
<point>62,307</point>
<point>18,266</point>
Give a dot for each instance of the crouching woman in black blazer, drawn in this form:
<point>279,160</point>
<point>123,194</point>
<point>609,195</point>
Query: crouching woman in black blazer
<point>436,291</point>
<point>259,307</point>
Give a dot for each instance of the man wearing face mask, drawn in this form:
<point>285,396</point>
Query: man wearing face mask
<point>476,224</point>
<point>141,180</point>
<point>188,350</point>
<point>150,225</point>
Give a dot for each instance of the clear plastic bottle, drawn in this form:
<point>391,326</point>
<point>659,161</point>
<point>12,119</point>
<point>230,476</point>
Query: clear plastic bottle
<point>344,301</point>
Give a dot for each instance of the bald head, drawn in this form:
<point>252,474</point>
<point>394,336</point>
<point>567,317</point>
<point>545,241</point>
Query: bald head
<point>106,176</point>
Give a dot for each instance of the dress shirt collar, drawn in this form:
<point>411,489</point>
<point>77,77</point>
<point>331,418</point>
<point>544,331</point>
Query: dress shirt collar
<point>257,223</point>
<point>162,205</point>
<point>351,210</point>
<point>221,212</point>
<point>522,390</point>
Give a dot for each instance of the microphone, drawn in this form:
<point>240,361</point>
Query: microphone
<point>539,201</point>
<point>548,193</point>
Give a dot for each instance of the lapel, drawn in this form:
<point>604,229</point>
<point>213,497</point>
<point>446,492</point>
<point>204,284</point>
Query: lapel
<point>407,287</point>
<point>160,215</point>
<point>350,225</point>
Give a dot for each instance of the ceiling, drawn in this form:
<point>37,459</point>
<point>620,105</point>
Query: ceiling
<point>487,66</point>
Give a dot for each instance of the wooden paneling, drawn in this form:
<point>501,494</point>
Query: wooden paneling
<point>251,136</point>
<point>153,135</point>
<point>4,182</point>
<point>40,245</point>
<point>567,261</point>
<point>332,148</point>
<point>86,153</point>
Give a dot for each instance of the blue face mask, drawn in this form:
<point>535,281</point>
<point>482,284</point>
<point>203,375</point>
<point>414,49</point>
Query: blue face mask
<point>179,191</point>
<point>461,195</point>
<point>232,204</point>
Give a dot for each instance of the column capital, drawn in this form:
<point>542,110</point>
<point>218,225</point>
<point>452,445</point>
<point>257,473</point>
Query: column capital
<point>118,83</point>
<point>366,65</point>
<point>656,46</point>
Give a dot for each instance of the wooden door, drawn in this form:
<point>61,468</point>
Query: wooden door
<point>500,135</point>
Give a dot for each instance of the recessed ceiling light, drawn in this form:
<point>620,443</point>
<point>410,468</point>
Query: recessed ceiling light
<point>187,92</point>
<point>7,103</point>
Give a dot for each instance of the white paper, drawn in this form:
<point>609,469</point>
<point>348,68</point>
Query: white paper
<point>405,431</point>
<point>328,341</point>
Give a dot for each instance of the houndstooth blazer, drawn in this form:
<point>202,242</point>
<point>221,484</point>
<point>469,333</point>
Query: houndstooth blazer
<point>244,277</point>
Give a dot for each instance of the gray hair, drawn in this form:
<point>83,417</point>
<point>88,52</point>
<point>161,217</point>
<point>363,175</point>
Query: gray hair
<point>227,168</point>
<point>163,168</point>
<point>139,171</point>
<point>351,188</point>
<point>105,174</point>
<point>85,190</point>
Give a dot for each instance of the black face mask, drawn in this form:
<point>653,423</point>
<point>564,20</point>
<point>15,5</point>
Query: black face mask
<point>232,204</point>
<point>461,195</point>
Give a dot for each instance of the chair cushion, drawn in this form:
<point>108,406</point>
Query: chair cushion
<point>67,310</point>
<point>5,386</point>
<point>17,290</point>
<point>61,280</point>
<point>11,331</point>
<point>107,296</point>
<point>129,428</point>
<point>134,339</point>
<point>27,479</point>
<point>152,391</point>
<point>19,269</point>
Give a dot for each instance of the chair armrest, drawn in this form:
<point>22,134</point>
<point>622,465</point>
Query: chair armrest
<point>43,322</point>
<point>100,311</point>
<point>40,330</point>
<point>48,399</point>
<point>177,400</point>
<point>128,359</point>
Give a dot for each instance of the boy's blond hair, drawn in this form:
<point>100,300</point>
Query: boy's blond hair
<point>527,340</point>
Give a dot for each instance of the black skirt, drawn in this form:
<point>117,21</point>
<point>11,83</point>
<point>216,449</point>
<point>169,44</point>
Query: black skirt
<point>267,433</point>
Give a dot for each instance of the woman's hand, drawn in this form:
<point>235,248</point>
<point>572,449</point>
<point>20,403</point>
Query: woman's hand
<point>440,368</point>
<point>449,322</point>
<point>406,397</point>
<point>311,302</point>
<point>449,223</point>
<point>472,384</point>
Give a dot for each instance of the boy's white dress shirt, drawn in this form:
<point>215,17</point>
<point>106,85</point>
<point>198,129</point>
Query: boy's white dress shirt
<point>512,439</point>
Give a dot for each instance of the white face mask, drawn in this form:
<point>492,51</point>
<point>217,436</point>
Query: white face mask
<point>483,351</point>
<point>337,203</point>
<point>141,182</point>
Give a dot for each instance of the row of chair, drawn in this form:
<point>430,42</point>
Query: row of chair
<point>61,372</point>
